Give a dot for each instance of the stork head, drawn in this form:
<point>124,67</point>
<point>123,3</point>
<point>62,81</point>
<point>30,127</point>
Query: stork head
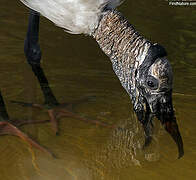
<point>154,86</point>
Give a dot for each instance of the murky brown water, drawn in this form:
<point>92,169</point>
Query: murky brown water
<point>76,68</point>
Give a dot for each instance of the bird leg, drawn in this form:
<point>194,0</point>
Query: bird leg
<point>7,127</point>
<point>33,55</point>
<point>54,108</point>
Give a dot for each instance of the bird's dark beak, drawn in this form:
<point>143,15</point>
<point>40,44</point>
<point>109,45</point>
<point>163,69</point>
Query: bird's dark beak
<point>163,108</point>
<point>172,128</point>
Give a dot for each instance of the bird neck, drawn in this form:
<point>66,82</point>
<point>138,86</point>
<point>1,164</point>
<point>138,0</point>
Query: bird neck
<point>125,47</point>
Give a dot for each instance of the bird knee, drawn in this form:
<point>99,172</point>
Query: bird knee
<point>32,52</point>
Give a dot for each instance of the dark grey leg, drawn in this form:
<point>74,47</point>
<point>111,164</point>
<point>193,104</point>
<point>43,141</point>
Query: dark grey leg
<point>3,111</point>
<point>33,55</point>
<point>31,46</point>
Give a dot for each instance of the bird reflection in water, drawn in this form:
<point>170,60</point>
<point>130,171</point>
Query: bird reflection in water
<point>125,145</point>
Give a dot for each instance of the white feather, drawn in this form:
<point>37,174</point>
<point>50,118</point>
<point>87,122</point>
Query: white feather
<point>76,16</point>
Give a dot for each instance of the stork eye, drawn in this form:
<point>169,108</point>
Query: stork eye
<point>152,83</point>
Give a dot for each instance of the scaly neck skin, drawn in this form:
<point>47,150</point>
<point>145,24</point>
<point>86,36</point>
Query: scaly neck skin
<point>125,47</point>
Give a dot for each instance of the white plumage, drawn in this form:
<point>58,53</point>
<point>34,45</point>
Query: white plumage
<point>75,16</point>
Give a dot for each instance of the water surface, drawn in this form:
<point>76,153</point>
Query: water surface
<point>76,68</point>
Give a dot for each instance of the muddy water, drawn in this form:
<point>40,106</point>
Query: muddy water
<point>77,69</point>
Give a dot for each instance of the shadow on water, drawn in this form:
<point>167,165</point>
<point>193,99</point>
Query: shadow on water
<point>76,68</point>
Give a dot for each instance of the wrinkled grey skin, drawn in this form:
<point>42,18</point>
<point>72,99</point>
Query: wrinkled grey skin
<point>143,70</point>
<point>160,73</point>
